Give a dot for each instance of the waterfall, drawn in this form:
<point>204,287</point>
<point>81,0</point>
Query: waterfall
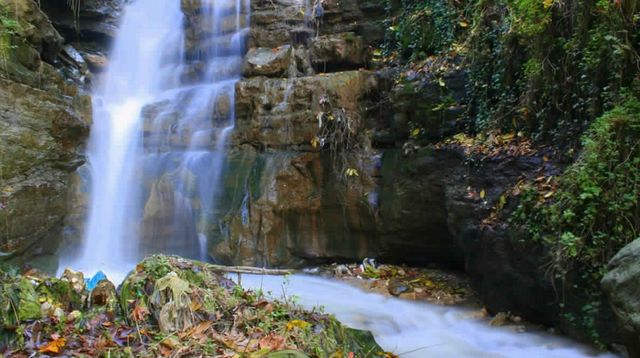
<point>162,118</point>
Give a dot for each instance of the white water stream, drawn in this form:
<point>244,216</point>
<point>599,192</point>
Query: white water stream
<point>414,329</point>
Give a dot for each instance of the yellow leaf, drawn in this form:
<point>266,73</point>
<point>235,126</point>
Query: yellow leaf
<point>463,24</point>
<point>352,172</point>
<point>547,3</point>
<point>315,142</point>
<point>441,82</point>
<point>415,132</point>
<point>502,202</point>
<point>297,323</point>
<point>482,194</point>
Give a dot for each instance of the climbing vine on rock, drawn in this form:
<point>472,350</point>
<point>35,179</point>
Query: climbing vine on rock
<point>550,67</point>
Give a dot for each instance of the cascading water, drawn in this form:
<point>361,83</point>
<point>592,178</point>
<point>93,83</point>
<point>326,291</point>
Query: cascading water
<point>162,118</point>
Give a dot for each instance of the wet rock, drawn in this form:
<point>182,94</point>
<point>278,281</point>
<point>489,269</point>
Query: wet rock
<point>283,207</point>
<point>40,136</point>
<point>622,285</point>
<point>97,62</point>
<point>43,123</point>
<point>337,52</point>
<point>270,62</point>
<point>285,113</point>
<point>500,319</point>
<point>397,287</point>
<point>75,278</point>
<point>275,23</point>
<point>74,58</point>
<point>97,23</point>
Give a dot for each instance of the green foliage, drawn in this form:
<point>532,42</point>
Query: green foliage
<point>596,210</point>
<point>548,67</point>
<point>422,28</point>
<point>530,18</point>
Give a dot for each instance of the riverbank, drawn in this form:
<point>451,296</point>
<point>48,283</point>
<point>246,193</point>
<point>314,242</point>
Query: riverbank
<point>169,307</point>
<point>172,307</point>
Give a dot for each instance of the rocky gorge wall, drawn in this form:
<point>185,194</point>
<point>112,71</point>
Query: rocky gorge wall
<point>424,193</point>
<point>284,202</point>
<point>44,121</point>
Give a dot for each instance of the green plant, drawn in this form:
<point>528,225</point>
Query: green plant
<point>550,67</point>
<point>596,210</point>
<point>9,28</point>
<point>421,28</point>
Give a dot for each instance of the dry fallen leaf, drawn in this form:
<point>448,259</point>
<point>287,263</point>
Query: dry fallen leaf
<point>54,347</point>
<point>272,342</point>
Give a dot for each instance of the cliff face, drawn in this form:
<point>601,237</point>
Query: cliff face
<point>314,173</point>
<point>44,120</point>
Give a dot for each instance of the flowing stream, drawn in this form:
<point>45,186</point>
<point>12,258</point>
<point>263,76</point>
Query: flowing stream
<point>414,329</point>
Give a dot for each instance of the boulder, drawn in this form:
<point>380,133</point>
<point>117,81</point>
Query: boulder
<point>622,285</point>
<point>104,295</point>
<point>97,62</point>
<point>270,62</point>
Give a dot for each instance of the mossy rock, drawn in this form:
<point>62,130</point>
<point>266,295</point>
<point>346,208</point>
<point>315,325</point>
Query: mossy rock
<point>60,293</point>
<point>172,288</point>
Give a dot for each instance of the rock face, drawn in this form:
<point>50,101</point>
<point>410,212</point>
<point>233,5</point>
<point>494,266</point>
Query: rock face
<point>622,284</point>
<point>285,200</point>
<point>43,122</point>
<point>343,50</point>
<point>96,22</point>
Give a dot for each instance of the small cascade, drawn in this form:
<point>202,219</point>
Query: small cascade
<point>162,120</point>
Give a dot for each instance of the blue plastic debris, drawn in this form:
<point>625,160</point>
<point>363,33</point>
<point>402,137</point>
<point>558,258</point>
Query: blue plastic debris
<point>93,281</point>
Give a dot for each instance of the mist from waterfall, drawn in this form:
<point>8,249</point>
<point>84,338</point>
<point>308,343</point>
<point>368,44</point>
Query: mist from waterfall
<point>161,121</point>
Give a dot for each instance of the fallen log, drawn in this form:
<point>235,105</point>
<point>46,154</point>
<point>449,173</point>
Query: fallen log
<point>251,270</point>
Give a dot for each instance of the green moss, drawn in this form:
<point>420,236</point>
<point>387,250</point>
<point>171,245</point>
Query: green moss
<point>9,28</point>
<point>60,293</point>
